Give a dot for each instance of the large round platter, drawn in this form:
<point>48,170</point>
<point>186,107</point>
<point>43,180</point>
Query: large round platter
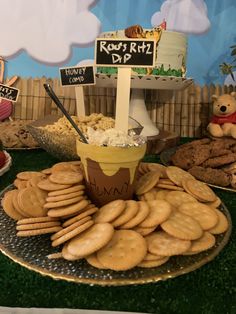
<point>32,252</point>
<point>165,158</point>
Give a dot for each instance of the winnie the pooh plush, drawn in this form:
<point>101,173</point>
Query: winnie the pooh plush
<point>223,121</point>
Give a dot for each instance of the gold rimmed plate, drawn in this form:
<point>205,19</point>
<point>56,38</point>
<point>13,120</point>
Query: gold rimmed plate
<point>165,158</point>
<point>32,252</point>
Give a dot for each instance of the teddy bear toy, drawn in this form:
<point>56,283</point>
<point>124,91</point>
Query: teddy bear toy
<point>223,121</point>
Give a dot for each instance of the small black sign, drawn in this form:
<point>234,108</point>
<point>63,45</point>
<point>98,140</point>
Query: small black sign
<point>10,93</point>
<point>125,52</point>
<point>81,75</point>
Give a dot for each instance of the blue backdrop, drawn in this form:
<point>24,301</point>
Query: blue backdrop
<point>211,33</point>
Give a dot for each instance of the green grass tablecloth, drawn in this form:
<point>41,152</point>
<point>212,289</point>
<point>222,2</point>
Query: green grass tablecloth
<point>210,289</point>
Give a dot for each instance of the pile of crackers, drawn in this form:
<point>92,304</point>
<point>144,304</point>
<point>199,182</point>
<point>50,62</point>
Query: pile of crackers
<point>171,214</point>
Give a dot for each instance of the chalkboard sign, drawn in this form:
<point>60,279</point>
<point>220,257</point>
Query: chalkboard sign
<point>125,52</point>
<point>10,93</point>
<point>81,75</point>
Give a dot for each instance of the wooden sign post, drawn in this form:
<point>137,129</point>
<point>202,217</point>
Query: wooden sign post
<point>78,76</point>
<point>124,54</point>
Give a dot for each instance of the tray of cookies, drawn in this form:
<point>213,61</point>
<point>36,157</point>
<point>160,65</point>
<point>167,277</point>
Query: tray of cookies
<point>14,135</point>
<point>212,161</point>
<point>173,225</point>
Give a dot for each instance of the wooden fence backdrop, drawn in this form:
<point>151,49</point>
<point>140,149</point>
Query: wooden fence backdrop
<point>185,112</point>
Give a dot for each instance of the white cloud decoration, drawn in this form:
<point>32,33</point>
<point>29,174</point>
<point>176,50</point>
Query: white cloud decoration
<point>229,80</point>
<point>46,29</point>
<point>186,16</point>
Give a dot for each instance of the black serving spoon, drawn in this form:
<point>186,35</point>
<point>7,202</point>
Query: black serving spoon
<point>54,97</point>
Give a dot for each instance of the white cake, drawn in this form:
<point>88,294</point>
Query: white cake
<point>171,51</point>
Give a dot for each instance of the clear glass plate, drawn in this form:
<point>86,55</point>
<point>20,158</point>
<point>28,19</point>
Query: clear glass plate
<point>31,252</point>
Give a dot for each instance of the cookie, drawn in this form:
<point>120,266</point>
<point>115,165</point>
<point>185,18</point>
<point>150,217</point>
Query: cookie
<point>29,233</point>
<point>33,220</point>
<point>143,168</point>
<point>91,240</point>
<point>222,224</point>
<point>8,207</point>
<point>47,185</point>
<point>31,201</point>
<point>34,181</point>
<point>157,167</point>
<point>131,209</point>
<point>110,211</point>
<point>177,198</point>
<point>16,205</point>
<point>37,225</point>
<point>66,177</point>
<point>159,211</point>
<point>182,226</point>
<point>64,196</point>
<point>46,171</point>
<point>142,213</point>
<point>148,196</point>
<point>65,166</point>
<point>210,175</point>
<point>63,202</point>
<point>83,214</point>
<point>176,175</point>
<point>72,233</point>
<point>161,243</point>
<point>188,156</point>
<point>204,214</point>
<point>66,255</point>
<point>200,190</point>
<point>20,184</point>
<point>204,243</point>
<point>68,210</point>
<point>161,194</point>
<point>152,257</point>
<point>147,182</point>
<point>93,261</point>
<point>169,187</point>
<point>26,138</point>
<point>72,189</point>
<point>116,254</point>
<point>215,203</point>
<point>71,227</point>
<point>186,189</point>
<point>144,231</point>
<point>55,255</point>
<point>220,161</point>
<point>154,263</point>
<point>166,181</point>
<point>27,175</point>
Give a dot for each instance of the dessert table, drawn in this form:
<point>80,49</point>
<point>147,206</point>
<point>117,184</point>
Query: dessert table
<point>209,289</point>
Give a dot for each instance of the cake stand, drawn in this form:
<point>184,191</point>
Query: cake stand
<point>157,140</point>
